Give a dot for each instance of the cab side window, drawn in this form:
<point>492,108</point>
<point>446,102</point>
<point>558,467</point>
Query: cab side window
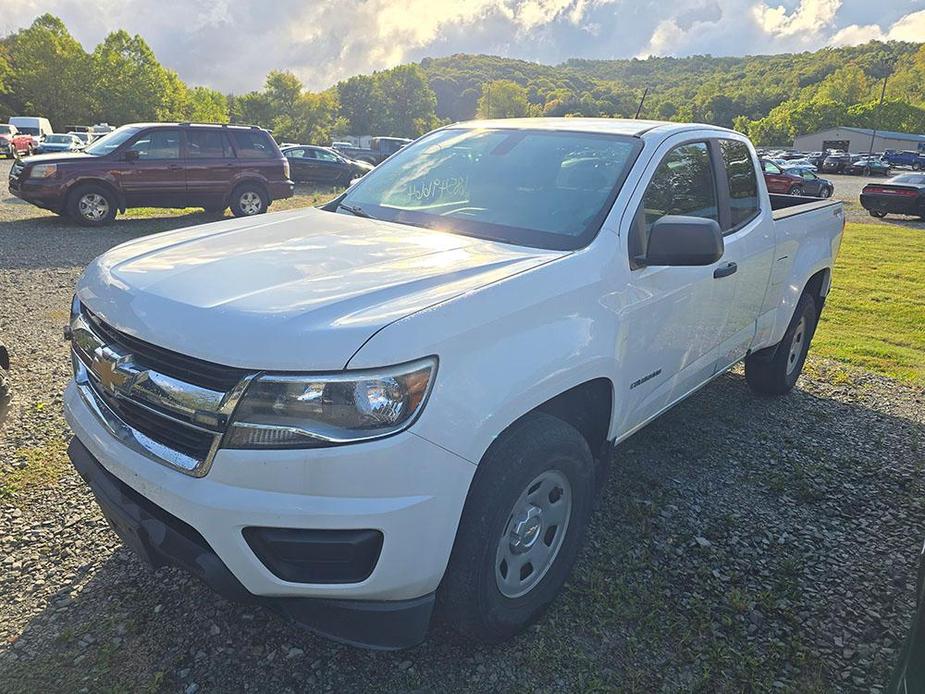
<point>683,184</point>
<point>743,183</point>
<point>770,167</point>
<point>208,144</point>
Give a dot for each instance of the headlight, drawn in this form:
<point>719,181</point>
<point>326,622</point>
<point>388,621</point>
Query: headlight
<point>324,410</point>
<point>43,171</point>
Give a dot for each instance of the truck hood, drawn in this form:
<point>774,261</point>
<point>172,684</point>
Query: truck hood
<point>57,157</point>
<point>291,291</point>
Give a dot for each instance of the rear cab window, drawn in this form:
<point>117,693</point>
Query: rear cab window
<point>742,181</point>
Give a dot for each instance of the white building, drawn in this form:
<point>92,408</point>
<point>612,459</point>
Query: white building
<point>858,140</point>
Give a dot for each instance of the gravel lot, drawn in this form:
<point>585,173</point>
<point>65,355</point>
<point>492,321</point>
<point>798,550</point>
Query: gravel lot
<point>742,543</point>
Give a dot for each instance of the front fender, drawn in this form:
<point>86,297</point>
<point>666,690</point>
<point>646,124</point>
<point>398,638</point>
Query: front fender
<point>503,350</point>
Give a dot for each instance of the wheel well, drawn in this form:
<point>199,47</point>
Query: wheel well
<point>120,202</point>
<point>588,408</point>
<point>818,284</point>
<point>250,181</point>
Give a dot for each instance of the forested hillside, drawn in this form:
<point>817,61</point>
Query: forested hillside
<point>45,71</point>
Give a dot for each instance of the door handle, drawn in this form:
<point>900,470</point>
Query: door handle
<point>725,270</point>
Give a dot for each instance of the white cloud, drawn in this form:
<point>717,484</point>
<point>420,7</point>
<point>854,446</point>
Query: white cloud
<point>911,27</point>
<point>232,44</point>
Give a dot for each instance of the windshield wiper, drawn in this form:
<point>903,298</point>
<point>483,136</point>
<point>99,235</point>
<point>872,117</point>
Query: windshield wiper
<point>354,210</point>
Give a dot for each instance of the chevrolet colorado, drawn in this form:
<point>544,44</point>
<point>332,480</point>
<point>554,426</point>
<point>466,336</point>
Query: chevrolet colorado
<point>407,398</point>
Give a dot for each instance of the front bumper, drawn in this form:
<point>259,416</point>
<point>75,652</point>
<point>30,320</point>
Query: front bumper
<point>47,197</point>
<point>160,539</point>
<point>408,489</point>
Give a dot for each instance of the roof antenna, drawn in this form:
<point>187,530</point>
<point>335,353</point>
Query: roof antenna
<point>641,102</point>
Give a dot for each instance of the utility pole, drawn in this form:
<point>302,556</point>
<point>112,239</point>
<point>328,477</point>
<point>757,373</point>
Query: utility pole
<point>641,102</point>
<point>879,115</point>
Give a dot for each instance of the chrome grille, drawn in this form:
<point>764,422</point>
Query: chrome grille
<point>139,392</point>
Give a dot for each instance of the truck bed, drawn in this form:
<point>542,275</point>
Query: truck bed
<point>784,206</point>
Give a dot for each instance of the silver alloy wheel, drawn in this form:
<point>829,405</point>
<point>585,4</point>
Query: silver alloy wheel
<point>796,345</point>
<point>250,203</point>
<point>533,534</point>
<point>93,206</point>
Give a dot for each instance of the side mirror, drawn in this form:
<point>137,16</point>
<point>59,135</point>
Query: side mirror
<point>130,155</point>
<point>680,240</point>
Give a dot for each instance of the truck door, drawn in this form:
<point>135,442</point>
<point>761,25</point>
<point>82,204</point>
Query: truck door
<point>674,317</point>
<point>748,246</point>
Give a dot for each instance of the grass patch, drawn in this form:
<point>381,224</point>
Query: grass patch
<point>875,316</point>
<point>34,466</point>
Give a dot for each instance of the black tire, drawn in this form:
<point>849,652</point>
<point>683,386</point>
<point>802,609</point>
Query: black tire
<point>795,190</point>
<point>827,192</point>
<point>775,370</point>
<point>6,397</point>
<point>469,598</point>
<point>92,205</point>
<point>249,199</point>
<point>877,214</point>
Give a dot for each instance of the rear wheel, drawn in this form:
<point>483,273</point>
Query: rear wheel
<point>92,205</point>
<point>774,371</point>
<point>521,529</point>
<point>249,199</point>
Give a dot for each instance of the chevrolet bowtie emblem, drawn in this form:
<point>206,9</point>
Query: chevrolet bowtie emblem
<point>106,367</point>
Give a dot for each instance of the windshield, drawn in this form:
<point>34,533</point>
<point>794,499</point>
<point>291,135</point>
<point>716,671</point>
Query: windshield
<point>109,142</point>
<point>916,179</point>
<point>28,131</point>
<point>58,138</point>
<point>5,129</point>
<point>540,188</point>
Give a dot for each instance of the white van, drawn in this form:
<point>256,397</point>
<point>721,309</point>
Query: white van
<point>32,125</point>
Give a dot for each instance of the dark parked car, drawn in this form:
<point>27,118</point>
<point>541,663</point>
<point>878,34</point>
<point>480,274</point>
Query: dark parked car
<point>868,166</point>
<point>380,149</point>
<point>780,180</point>
<point>59,142</point>
<point>812,184</point>
<point>6,394</point>
<point>158,165</point>
<point>310,163</point>
<point>909,675</point>
<point>903,194</point>
<point>836,163</point>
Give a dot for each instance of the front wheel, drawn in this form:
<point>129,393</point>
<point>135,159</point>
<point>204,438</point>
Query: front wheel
<point>92,206</point>
<point>826,192</point>
<point>775,370</point>
<point>877,214</point>
<point>520,531</point>
<point>248,200</point>
<point>795,190</point>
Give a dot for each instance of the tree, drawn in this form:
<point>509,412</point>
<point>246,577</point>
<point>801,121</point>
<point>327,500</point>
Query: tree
<point>409,105</point>
<point>130,84</point>
<point>847,85</point>
<point>503,99</point>
<point>43,64</point>
<point>359,99</point>
<point>207,106</point>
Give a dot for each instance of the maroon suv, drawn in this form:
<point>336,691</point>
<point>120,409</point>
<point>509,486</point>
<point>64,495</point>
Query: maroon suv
<point>158,165</point>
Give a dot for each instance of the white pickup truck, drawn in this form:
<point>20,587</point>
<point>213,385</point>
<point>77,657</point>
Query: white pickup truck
<point>408,398</point>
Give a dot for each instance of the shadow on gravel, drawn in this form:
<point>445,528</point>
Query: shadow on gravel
<point>741,543</point>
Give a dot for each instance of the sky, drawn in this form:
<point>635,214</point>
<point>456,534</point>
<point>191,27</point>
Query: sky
<point>231,44</point>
